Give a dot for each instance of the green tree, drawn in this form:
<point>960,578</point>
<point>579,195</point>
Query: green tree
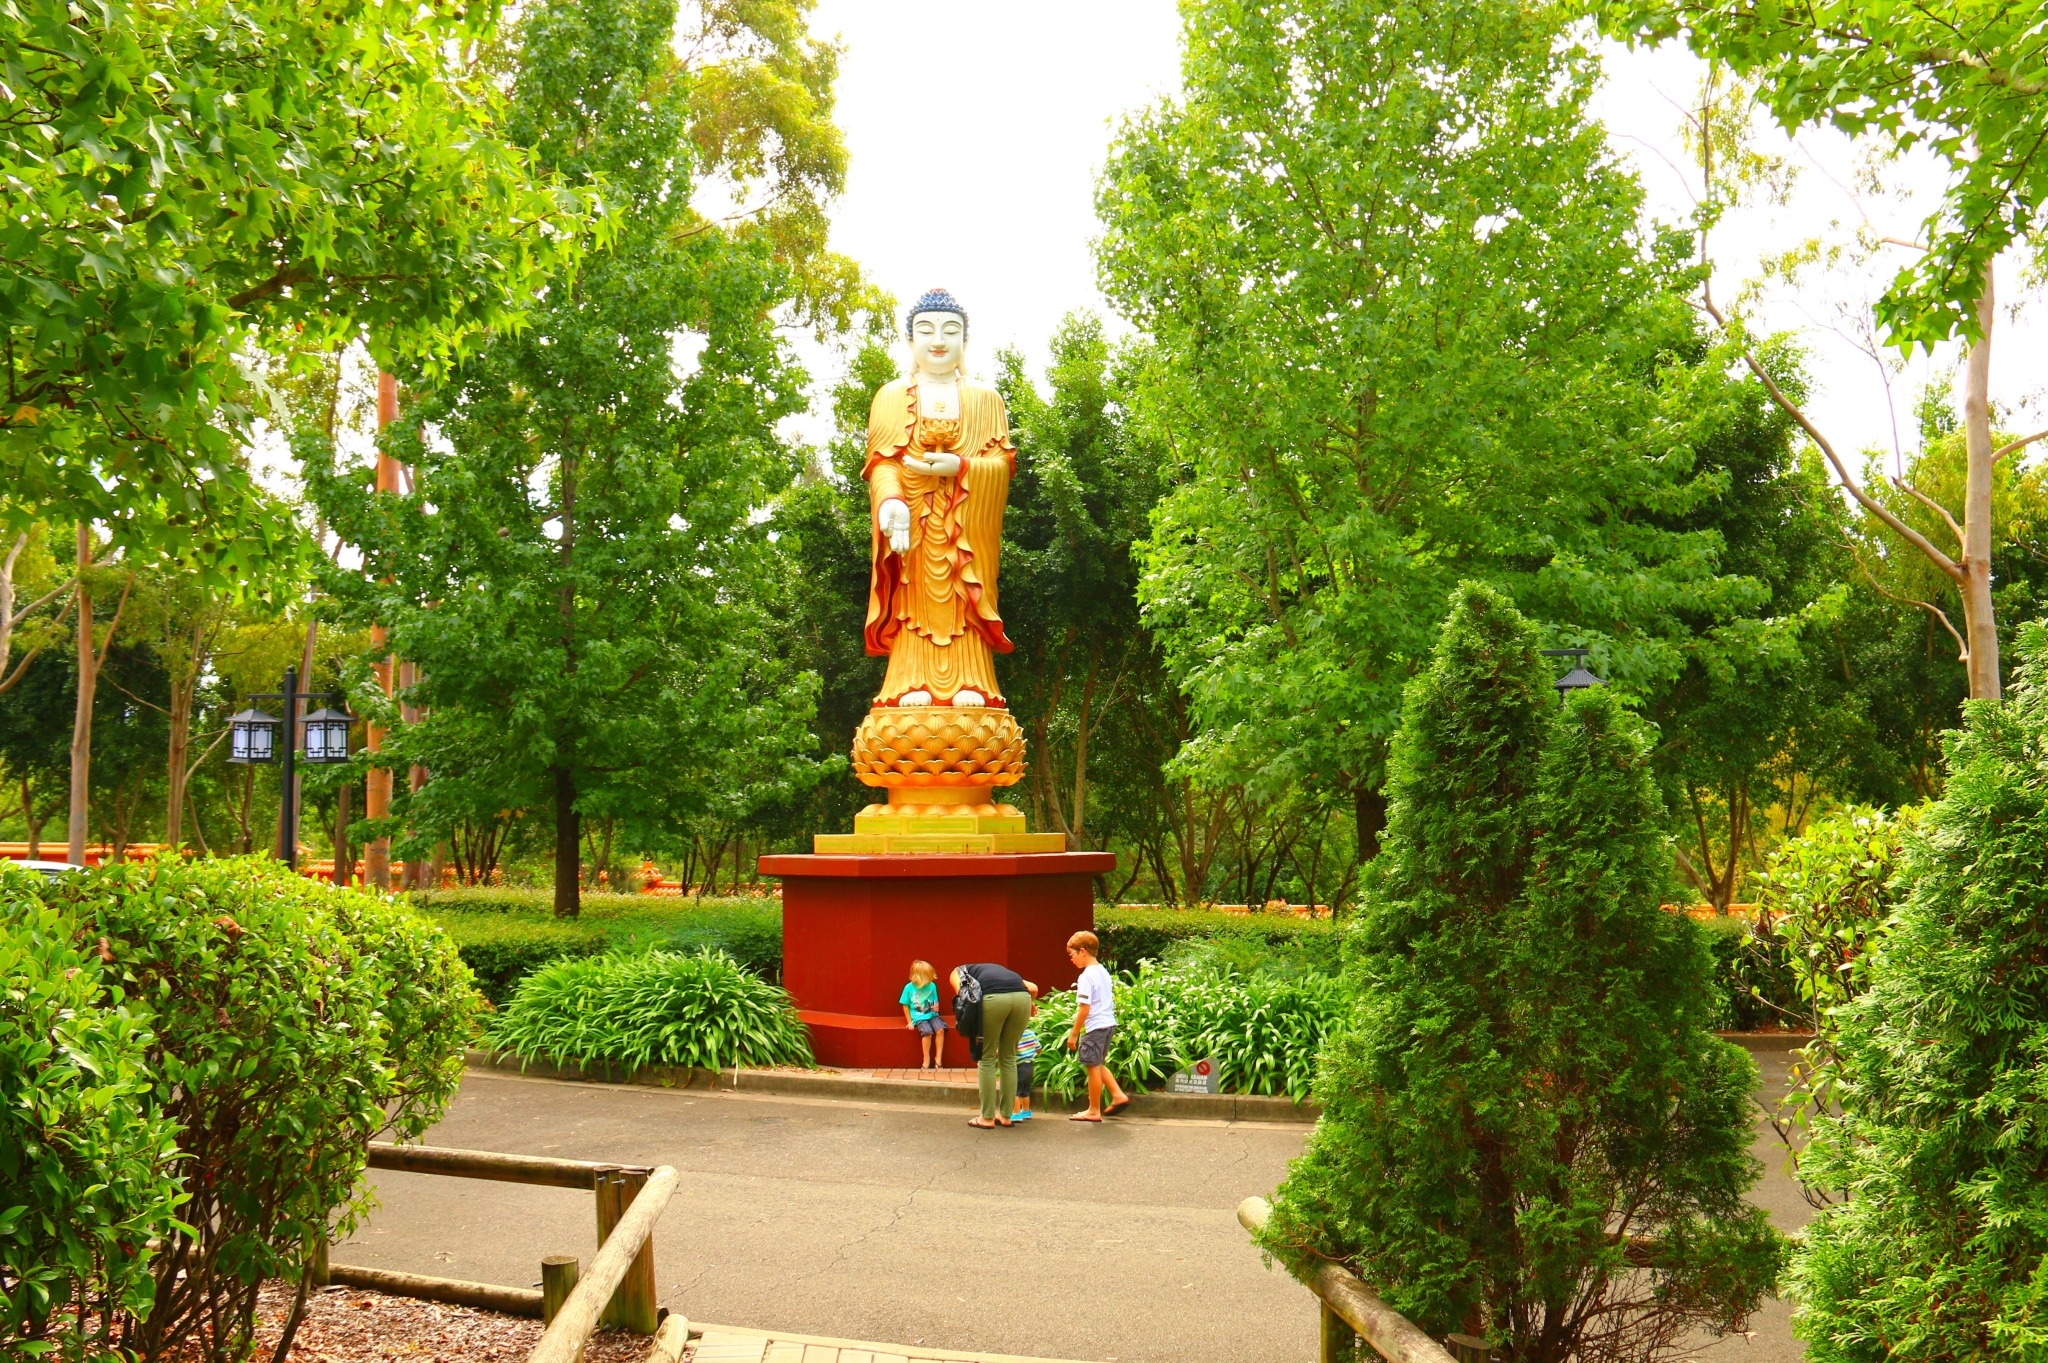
<point>1528,1130</point>
<point>577,571</point>
<point>197,181</point>
<point>1404,329</point>
<point>1080,501</point>
<point>1942,1251</point>
<point>1966,82</point>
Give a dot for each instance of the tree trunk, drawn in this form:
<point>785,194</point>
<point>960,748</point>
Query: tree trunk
<point>344,855</point>
<point>1369,808</point>
<point>568,846</point>
<point>35,825</point>
<point>81,721</point>
<point>181,742</point>
<point>1979,616</point>
<point>568,828</point>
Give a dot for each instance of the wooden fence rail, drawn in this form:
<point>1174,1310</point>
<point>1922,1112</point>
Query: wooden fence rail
<point>1351,1310</point>
<point>629,1198</point>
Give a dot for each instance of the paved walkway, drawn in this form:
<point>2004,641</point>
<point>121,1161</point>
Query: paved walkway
<point>890,1222</point>
<point>897,1221</point>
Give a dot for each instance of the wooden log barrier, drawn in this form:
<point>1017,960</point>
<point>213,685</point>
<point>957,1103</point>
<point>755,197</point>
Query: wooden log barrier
<point>564,1338</point>
<point>513,1301</point>
<point>557,1281</point>
<point>488,1164</point>
<point>632,1307</point>
<point>1392,1335</point>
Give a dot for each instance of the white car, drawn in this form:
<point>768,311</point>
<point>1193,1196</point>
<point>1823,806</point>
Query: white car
<point>53,869</point>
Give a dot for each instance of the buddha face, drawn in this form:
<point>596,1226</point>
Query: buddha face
<point>937,341</point>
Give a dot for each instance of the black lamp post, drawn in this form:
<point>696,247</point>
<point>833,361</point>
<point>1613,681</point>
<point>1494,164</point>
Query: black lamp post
<point>254,739</point>
<point>1578,679</point>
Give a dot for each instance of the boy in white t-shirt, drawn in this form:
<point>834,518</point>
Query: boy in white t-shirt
<point>1094,1026</point>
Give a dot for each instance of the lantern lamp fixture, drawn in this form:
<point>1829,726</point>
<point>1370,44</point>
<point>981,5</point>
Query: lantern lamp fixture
<point>327,736</point>
<point>255,740</point>
<point>1578,679</point>
<point>252,737</point>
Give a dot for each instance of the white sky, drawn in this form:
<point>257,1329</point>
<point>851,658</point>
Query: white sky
<point>1031,97</point>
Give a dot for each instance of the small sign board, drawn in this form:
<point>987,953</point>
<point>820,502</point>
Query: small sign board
<point>1200,1077</point>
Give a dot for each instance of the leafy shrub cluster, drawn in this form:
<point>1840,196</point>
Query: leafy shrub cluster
<point>287,1024</point>
<point>85,1161</point>
<point>634,1009</point>
<point>1264,1030</point>
<point>1936,1018</point>
<point>505,935</point>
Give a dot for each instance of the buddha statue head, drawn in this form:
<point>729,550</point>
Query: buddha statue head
<point>937,331</point>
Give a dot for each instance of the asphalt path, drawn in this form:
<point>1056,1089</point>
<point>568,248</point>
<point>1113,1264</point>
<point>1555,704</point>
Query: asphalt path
<point>902,1224</point>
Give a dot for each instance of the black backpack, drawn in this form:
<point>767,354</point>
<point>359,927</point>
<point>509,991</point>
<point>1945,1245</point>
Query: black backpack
<point>967,1011</point>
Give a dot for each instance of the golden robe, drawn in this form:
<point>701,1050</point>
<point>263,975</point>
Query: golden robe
<point>933,610</point>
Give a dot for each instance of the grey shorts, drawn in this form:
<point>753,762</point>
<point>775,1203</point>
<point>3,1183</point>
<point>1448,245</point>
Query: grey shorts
<point>1094,1048</point>
<point>933,1026</point>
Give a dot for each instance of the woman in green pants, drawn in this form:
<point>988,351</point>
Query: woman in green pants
<point>1005,1007</point>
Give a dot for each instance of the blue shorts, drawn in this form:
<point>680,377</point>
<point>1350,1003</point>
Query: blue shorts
<point>931,1026</point>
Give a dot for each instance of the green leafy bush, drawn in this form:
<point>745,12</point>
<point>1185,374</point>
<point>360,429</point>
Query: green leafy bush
<point>1527,1125</point>
<point>1941,1073</point>
<point>502,949</point>
<point>633,1009</point>
<point>1264,1032</point>
<point>85,1160</point>
<point>291,1023</point>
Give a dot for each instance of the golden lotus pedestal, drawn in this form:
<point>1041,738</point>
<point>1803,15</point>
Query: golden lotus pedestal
<point>942,766</point>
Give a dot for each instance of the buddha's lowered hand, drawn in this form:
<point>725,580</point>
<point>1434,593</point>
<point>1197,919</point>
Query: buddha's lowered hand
<point>893,516</point>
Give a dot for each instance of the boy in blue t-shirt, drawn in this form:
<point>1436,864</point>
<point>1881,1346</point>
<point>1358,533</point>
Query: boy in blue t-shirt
<point>920,1000</point>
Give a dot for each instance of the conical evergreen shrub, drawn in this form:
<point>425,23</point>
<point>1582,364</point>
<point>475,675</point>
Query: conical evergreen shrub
<point>1529,1131</point>
<point>1941,1144</point>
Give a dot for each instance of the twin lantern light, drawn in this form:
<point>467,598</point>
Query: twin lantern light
<point>253,736</point>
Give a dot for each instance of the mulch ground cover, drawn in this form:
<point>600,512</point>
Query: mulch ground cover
<point>350,1325</point>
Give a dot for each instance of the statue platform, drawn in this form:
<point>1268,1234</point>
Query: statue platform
<point>852,924</point>
<point>950,827</point>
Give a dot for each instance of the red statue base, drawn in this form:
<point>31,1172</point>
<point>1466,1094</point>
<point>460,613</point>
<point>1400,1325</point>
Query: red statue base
<point>851,926</point>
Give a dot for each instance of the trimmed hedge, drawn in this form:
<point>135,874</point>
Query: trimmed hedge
<point>506,935</point>
<point>1133,935</point>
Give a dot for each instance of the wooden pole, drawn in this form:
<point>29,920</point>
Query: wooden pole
<point>1469,1348</point>
<point>632,1307</point>
<point>377,785</point>
<point>561,1341</point>
<point>1392,1335</point>
<point>513,1301</point>
<point>1339,1340</point>
<point>557,1281</point>
<point>542,1170</point>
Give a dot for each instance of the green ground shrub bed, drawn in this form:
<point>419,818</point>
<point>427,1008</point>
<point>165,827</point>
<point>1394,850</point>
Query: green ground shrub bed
<point>655,1007</point>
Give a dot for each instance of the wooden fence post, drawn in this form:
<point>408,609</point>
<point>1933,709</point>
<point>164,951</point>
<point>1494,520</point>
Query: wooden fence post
<point>632,1306</point>
<point>1469,1349</point>
<point>557,1281</point>
<point>1340,1341</point>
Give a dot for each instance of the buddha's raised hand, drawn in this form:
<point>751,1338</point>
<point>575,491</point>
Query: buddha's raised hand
<point>893,516</point>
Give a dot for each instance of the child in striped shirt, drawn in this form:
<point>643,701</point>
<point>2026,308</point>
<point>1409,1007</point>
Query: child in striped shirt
<point>1027,1047</point>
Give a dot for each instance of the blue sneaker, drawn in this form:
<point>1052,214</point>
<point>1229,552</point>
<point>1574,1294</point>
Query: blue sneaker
<point>1023,1116</point>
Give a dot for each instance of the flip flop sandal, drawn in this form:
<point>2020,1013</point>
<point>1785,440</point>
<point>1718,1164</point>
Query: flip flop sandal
<point>979,1125</point>
<point>1115,1108</point>
<point>1083,1117</point>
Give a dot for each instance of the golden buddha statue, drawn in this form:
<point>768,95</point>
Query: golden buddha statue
<point>939,737</point>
